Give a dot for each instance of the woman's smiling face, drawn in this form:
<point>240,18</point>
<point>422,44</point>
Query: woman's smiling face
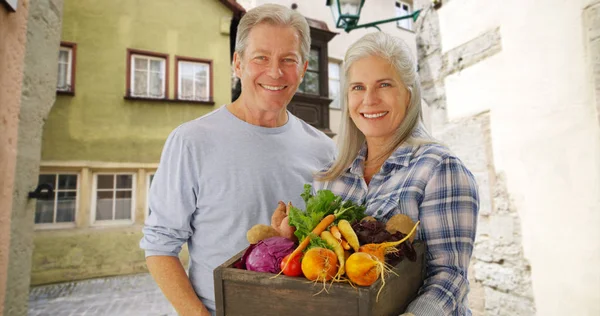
<point>377,98</point>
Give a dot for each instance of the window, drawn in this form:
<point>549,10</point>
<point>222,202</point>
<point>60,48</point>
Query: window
<point>66,68</point>
<point>148,184</point>
<point>60,208</point>
<point>194,79</point>
<point>403,9</point>
<point>147,74</point>
<point>310,84</point>
<point>334,84</point>
<point>113,198</point>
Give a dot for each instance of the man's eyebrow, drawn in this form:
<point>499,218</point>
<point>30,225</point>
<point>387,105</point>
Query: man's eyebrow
<point>264,51</point>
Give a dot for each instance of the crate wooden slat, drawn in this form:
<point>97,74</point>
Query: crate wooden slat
<point>246,293</point>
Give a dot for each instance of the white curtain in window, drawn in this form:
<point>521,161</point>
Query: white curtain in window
<point>63,81</point>
<point>194,81</point>
<point>148,77</point>
<point>334,84</point>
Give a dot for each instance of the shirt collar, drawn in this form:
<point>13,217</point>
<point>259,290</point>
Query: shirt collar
<point>400,157</point>
<point>357,165</point>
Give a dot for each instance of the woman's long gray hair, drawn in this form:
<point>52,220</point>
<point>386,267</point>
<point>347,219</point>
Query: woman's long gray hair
<point>399,56</point>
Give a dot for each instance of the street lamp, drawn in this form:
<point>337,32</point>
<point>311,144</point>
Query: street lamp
<point>347,12</point>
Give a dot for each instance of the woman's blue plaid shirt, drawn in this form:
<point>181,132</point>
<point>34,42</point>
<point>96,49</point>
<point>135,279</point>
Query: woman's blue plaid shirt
<point>431,185</point>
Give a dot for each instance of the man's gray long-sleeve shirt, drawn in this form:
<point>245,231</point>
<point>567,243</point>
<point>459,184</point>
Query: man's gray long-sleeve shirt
<point>218,176</point>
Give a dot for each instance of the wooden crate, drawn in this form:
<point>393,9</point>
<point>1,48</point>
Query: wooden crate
<point>247,293</point>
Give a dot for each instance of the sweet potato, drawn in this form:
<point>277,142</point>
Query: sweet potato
<point>278,215</point>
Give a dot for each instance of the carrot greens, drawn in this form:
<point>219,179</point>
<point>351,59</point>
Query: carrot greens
<point>318,206</point>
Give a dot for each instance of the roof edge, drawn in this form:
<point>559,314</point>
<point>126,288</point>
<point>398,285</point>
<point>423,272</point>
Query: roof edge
<point>235,7</point>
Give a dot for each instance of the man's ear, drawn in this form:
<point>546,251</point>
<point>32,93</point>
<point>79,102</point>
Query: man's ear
<point>304,68</point>
<point>237,65</point>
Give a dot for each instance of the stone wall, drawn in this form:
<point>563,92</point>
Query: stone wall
<point>13,32</point>
<point>37,97</point>
<point>499,274</point>
<point>591,21</point>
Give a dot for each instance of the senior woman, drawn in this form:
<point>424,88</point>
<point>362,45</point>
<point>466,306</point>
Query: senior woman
<point>388,161</point>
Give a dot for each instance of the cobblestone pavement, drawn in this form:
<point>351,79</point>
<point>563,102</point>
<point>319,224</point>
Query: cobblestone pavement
<point>134,295</point>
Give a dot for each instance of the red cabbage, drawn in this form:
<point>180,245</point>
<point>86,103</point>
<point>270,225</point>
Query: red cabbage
<point>268,253</point>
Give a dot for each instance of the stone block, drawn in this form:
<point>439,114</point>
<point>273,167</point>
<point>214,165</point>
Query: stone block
<point>430,68</point>
<point>591,21</point>
<point>467,139</point>
<point>504,304</point>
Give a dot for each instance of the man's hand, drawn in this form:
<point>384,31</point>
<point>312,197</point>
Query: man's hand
<point>173,281</point>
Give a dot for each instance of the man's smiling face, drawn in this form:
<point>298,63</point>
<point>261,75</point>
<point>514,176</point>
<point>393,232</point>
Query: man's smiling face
<point>271,67</point>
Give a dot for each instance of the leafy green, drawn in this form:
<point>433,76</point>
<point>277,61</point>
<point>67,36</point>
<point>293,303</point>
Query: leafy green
<point>317,207</point>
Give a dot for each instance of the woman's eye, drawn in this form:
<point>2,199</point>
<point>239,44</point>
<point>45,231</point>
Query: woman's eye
<point>386,84</point>
<point>356,88</point>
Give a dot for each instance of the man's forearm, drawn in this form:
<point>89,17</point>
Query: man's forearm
<point>170,276</point>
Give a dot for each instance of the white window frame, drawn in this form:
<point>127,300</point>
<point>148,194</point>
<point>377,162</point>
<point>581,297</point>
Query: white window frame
<point>148,176</point>
<point>132,76</point>
<point>56,225</point>
<point>69,73</point>
<point>180,86</point>
<point>335,103</point>
<point>113,222</point>
<point>406,24</point>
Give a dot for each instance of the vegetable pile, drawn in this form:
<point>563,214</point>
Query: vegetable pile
<point>337,242</point>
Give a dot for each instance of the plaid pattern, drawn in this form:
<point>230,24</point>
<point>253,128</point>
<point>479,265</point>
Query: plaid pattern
<point>427,183</point>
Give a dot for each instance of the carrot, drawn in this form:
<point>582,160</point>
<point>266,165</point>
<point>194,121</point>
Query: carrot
<point>349,234</point>
<point>335,231</point>
<point>379,250</point>
<point>345,245</point>
<point>323,224</point>
<point>337,248</point>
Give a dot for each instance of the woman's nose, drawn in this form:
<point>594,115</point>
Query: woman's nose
<point>370,97</point>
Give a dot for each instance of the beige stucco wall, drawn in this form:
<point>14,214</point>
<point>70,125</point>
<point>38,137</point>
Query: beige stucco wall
<point>545,136</point>
<point>13,26</point>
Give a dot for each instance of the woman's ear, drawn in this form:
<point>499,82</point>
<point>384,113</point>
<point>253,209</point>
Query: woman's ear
<point>408,97</point>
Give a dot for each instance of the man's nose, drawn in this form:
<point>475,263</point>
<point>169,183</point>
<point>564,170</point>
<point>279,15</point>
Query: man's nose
<point>275,70</point>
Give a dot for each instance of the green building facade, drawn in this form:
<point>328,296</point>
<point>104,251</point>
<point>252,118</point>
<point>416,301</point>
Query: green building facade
<point>129,72</point>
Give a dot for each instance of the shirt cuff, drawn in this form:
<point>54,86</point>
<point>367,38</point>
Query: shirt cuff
<point>150,253</point>
<point>425,306</point>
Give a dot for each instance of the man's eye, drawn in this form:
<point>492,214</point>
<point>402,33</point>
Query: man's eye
<point>289,60</point>
<point>386,84</point>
